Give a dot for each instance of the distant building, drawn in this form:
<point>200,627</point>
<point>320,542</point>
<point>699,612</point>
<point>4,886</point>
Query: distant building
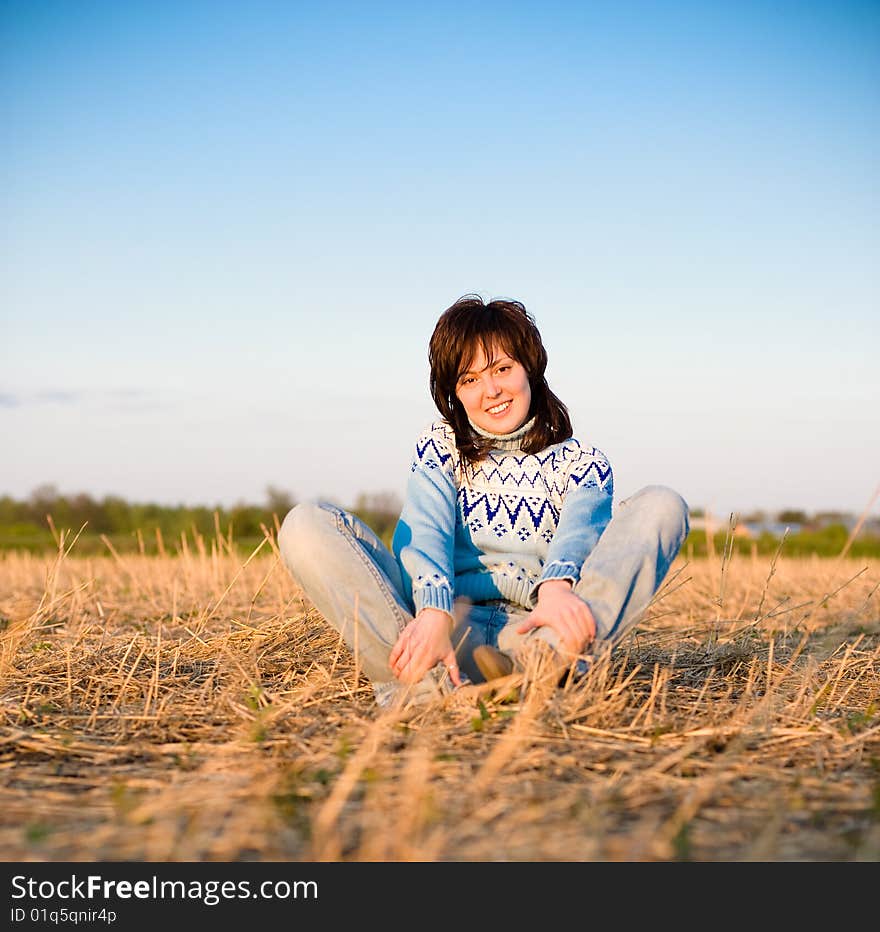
<point>776,528</point>
<point>757,524</point>
<point>712,526</point>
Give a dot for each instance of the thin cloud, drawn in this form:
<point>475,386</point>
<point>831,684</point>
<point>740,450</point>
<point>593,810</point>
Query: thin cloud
<point>118,398</point>
<point>32,399</point>
<point>58,396</point>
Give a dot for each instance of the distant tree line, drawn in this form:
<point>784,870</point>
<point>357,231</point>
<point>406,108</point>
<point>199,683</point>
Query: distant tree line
<point>796,518</point>
<point>32,524</point>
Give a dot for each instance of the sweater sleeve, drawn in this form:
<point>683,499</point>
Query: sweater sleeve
<point>585,513</point>
<point>424,538</point>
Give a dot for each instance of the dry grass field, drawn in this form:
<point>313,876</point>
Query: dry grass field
<point>195,708</point>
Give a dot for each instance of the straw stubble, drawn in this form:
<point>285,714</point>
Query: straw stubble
<point>196,707</point>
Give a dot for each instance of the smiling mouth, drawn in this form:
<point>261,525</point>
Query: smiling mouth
<point>499,409</point>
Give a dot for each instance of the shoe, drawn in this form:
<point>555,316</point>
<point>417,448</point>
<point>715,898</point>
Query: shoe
<point>434,686</point>
<point>492,663</point>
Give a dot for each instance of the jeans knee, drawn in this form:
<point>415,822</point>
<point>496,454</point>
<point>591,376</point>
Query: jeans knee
<point>299,533</point>
<point>667,508</point>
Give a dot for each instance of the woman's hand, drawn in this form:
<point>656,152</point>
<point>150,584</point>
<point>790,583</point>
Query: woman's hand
<point>424,642</point>
<point>567,614</point>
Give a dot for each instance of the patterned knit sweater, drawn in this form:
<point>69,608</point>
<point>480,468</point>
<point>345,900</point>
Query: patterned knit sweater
<point>497,531</point>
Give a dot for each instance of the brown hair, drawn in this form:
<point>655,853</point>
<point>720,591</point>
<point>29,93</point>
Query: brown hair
<point>472,323</point>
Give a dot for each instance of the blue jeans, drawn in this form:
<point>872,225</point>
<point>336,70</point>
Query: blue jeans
<point>355,583</point>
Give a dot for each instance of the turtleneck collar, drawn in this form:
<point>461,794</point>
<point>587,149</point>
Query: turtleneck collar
<point>511,441</point>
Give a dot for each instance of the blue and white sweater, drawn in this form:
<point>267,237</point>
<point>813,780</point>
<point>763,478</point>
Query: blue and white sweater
<point>497,531</point>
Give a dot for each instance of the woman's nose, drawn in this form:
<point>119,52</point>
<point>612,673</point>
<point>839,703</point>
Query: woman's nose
<point>492,387</point>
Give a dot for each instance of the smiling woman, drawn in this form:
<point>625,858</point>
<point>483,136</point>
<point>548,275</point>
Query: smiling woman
<point>506,543</point>
<point>495,394</point>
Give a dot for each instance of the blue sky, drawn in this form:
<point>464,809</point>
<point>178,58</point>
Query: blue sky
<point>229,228</point>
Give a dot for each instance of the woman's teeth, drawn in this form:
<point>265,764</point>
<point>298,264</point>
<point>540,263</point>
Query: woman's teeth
<point>498,409</point>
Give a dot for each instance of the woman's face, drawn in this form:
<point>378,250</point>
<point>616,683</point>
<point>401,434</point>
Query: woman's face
<point>495,392</point>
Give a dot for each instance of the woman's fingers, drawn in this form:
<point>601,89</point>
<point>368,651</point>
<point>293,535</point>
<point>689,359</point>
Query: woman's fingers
<point>582,631</point>
<point>560,625</point>
<point>413,670</point>
<point>571,637</point>
<point>588,621</point>
<point>410,665</point>
<point>451,665</point>
<point>575,629</point>
<point>422,644</point>
<point>398,650</point>
<point>581,624</point>
<point>401,645</point>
